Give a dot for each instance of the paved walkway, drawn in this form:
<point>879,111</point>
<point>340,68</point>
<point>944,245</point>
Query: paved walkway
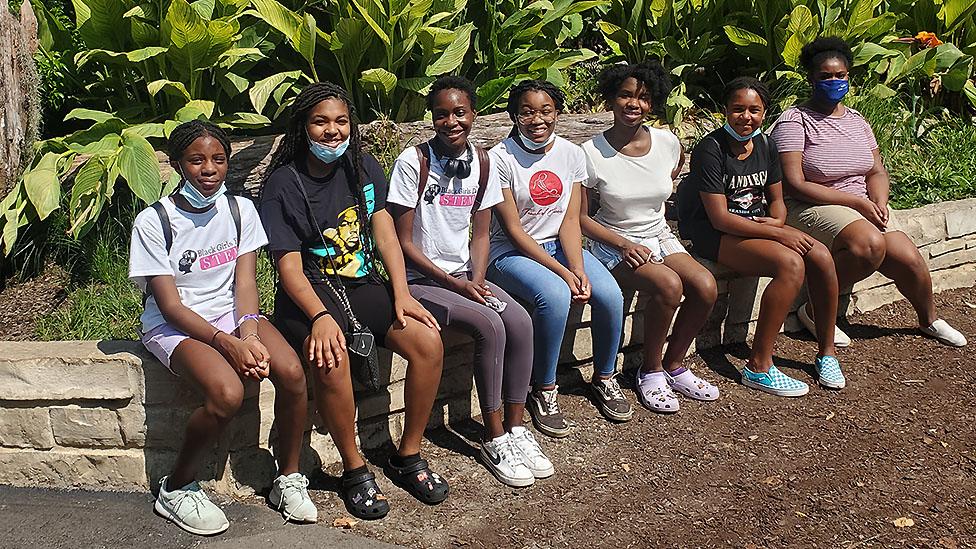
<point>55,519</point>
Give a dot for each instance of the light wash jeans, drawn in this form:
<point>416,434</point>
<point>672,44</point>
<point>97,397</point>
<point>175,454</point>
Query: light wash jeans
<point>548,293</point>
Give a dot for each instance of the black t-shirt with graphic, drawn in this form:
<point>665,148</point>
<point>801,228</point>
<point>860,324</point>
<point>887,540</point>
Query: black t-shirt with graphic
<point>716,169</point>
<point>290,228</point>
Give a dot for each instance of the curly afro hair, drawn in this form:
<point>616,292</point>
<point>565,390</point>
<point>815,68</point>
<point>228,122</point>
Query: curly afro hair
<point>823,48</point>
<point>649,73</point>
<point>452,83</point>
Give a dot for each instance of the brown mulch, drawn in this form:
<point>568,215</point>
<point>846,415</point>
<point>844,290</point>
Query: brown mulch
<point>890,461</point>
<point>23,303</point>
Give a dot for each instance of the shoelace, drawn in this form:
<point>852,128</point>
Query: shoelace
<point>195,497</point>
<point>552,407</point>
<point>506,450</point>
<point>527,444</point>
<point>612,388</point>
<point>299,484</point>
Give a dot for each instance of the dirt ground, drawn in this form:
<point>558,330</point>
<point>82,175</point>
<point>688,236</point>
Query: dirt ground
<point>831,469</point>
<point>22,303</point>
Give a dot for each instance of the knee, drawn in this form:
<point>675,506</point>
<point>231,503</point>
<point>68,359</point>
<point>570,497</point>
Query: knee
<point>791,268</point>
<point>426,345</point>
<point>703,288</point>
<point>819,257</point>
<point>868,247</point>
<point>225,401</point>
<point>290,377</point>
<point>554,302</point>
<point>667,291</point>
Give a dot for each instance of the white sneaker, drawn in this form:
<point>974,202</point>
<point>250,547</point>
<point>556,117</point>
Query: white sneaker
<point>840,338</point>
<point>946,334</point>
<point>289,495</point>
<point>505,463</point>
<point>530,452</point>
<point>190,509</point>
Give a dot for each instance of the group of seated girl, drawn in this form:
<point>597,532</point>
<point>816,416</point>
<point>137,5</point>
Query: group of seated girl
<point>492,244</point>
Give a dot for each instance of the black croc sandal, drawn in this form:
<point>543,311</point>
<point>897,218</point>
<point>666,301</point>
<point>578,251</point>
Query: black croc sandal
<point>363,497</point>
<point>417,479</point>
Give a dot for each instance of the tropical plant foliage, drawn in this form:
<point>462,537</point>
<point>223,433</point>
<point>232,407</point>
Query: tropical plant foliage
<point>128,71</point>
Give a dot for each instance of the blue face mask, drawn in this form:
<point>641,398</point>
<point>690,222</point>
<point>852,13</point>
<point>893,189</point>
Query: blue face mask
<point>740,138</point>
<point>325,153</point>
<point>196,198</point>
<point>532,145</point>
<point>832,90</point>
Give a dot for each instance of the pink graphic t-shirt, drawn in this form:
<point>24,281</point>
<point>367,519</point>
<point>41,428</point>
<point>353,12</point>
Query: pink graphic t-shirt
<point>837,151</point>
<point>542,186</point>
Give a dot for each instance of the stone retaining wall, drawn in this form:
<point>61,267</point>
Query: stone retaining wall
<point>107,415</point>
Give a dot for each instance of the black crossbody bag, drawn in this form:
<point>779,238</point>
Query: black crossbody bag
<point>360,341</point>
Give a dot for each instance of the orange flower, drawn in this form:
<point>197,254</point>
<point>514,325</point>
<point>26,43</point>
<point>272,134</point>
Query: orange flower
<point>928,39</point>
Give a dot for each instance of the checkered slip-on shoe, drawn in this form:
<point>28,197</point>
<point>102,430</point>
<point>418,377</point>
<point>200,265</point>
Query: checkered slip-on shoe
<point>774,382</point>
<point>828,372</point>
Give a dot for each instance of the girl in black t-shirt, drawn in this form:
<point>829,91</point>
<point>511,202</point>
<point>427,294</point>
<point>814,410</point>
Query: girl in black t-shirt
<point>731,208</point>
<point>323,207</point>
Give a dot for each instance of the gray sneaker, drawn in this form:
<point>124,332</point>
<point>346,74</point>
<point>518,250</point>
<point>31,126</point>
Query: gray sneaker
<point>610,400</point>
<point>190,509</point>
<point>289,495</point>
<point>545,413</point>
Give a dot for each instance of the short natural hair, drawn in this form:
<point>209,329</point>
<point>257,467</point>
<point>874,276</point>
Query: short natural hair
<point>650,73</point>
<point>823,48</point>
<point>448,82</point>
<point>748,83</point>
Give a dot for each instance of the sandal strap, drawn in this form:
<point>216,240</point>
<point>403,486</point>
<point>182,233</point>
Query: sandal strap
<point>414,467</point>
<point>356,480</point>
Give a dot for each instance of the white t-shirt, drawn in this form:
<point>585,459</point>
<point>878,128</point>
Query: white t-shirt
<point>632,189</point>
<point>542,185</point>
<point>441,221</point>
<point>202,260</point>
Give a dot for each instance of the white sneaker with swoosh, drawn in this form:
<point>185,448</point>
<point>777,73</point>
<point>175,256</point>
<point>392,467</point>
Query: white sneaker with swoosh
<point>501,458</point>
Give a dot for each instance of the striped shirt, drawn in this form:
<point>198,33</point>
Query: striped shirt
<point>837,151</point>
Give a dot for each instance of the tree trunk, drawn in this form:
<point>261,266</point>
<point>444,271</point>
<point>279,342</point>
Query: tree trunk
<point>19,98</point>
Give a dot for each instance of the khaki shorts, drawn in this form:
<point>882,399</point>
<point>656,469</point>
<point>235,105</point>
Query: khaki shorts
<point>824,221</point>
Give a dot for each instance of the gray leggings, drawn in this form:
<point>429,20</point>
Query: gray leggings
<point>502,341</point>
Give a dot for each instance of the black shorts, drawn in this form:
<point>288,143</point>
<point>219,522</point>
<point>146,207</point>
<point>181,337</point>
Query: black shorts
<point>704,239</point>
<point>372,304</point>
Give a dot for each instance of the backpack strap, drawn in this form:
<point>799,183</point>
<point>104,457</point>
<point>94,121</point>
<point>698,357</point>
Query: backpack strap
<point>164,221</point>
<point>235,212</point>
<point>423,154</point>
<point>484,166</point>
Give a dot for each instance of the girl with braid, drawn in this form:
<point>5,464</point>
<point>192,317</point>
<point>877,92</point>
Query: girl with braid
<point>194,255</point>
<point>537,253</point>
<point>324,208</point>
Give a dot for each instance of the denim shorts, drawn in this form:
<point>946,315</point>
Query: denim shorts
<point>661,245</point>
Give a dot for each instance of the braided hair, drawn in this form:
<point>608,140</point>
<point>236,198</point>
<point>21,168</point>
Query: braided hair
<point>649,73</point>
<point>293,147</point>
<point>515,95</point>
<point>188,132</point>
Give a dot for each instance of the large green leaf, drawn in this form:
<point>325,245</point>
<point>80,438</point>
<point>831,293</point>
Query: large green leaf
<point>86,196</point>
<point>955,12</point>
<point>140,167</point>
<point>169,87</point>
<point>452,57</point>
<point>100,23</point>
<point>742,37</point>
<point>88,114</point>
<point>262,89</point>
<point>247,120</point>
<point>43,185</point>
<point>379,80</point>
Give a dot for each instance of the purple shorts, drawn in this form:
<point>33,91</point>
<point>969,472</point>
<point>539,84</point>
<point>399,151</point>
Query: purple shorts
<point>163,340</point>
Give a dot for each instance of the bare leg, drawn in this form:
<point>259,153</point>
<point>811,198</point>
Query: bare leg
<point>223,393</point>
<point>493,424</point>
<point>823,289</point>
<point>904,265</point>
<point>513,415</point>
<point>700,292</point>
<point>422,348</point>
<point>337,408</point>
<point>663,288</point>
<point>291,397</point>
<point>761,257</point>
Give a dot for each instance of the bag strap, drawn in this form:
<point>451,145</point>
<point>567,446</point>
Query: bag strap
<point>423,154</point>
<point>235,212</point>
<point>164,220</point>
<point>484,166</point>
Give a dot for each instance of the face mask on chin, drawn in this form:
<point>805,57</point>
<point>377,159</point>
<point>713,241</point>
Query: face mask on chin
<point>532,145</point>
<point>196,198</point>
<point>324,152</point>
<point>739,137</point>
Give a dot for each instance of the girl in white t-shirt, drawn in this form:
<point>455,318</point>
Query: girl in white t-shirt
<point>631,168</point>
<point>194,254</point>
<point>537,253</point>
<point>439,190</point>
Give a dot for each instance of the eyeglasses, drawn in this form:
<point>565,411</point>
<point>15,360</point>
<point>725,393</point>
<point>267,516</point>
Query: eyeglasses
<point>526,117</point>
